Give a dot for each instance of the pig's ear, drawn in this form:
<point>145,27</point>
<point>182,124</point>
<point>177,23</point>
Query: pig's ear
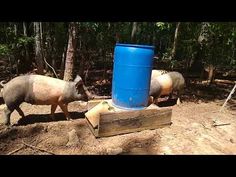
<point>79,83</point>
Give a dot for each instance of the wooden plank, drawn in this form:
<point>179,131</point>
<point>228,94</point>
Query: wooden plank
<point>92,129</point>
<point>124,114</point>
<point>94,114</point>
<point>113,121</point>
<point>131,121</point>
<point>93,103</point>
<point>125,131</point>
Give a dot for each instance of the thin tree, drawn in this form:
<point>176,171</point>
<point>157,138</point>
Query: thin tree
<point>70,54</point>
<point>38,50</point>
<point>134,30</point>
<point>173,52</point>
<point>63,58</point>
<point>25,45</point>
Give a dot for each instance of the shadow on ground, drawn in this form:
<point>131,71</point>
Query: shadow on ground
<point>168,102</point>
<point>36,118</point>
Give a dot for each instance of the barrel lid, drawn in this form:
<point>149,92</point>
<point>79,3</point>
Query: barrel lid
<point>136,45</point>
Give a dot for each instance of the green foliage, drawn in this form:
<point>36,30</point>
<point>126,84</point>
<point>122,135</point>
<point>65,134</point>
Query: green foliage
<point>96,41</point>
<point>163,26</point>
<point>24,40</point>
<point>220,48</point>
<point>4,50</point>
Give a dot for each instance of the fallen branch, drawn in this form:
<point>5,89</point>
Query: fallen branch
<point>215,125</point>
<point>224,81</point>
<point>219,81</point>
<point>16,150</point>
<point>205,126</point>
<point>34,147</point>
<point>50,67</point>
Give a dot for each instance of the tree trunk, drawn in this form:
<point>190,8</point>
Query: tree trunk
<point>43,50</point>
<point>173,52</point>
<point>233,45</point>
<point>51,45</point>
<point>104,64</point>
<point>197,64</point>
<point>15,29</point>
<point>26,46</point>
<point>38,49</point>
<point>153,34</point>
<point>61,75</point>
<point>116,30</point>
<point>134,30</point>
<point>41,31</point>
<point>211,74</point>
<point>70,55</point>
<point>17,56</point>
<point>53,54</point>
<point>82,64</point>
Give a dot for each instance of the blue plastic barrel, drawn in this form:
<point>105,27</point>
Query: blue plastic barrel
<point>131,75</point>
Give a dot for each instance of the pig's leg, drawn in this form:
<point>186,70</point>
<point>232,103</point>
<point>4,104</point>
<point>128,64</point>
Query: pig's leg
<point>6,115</point>
<point>179,100</point>
<point>65,110</point>
<point>150,100</point>
<point>20,112</point>
<point>53,109</point>
<point>155,101</point>
<point>170,96</point>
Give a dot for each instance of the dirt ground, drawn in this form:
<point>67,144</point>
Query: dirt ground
<point>191,131</point>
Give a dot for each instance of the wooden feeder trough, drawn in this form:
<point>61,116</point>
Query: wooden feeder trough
<point>106,120</point>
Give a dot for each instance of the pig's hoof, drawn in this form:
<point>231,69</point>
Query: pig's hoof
<point>178,102</point>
